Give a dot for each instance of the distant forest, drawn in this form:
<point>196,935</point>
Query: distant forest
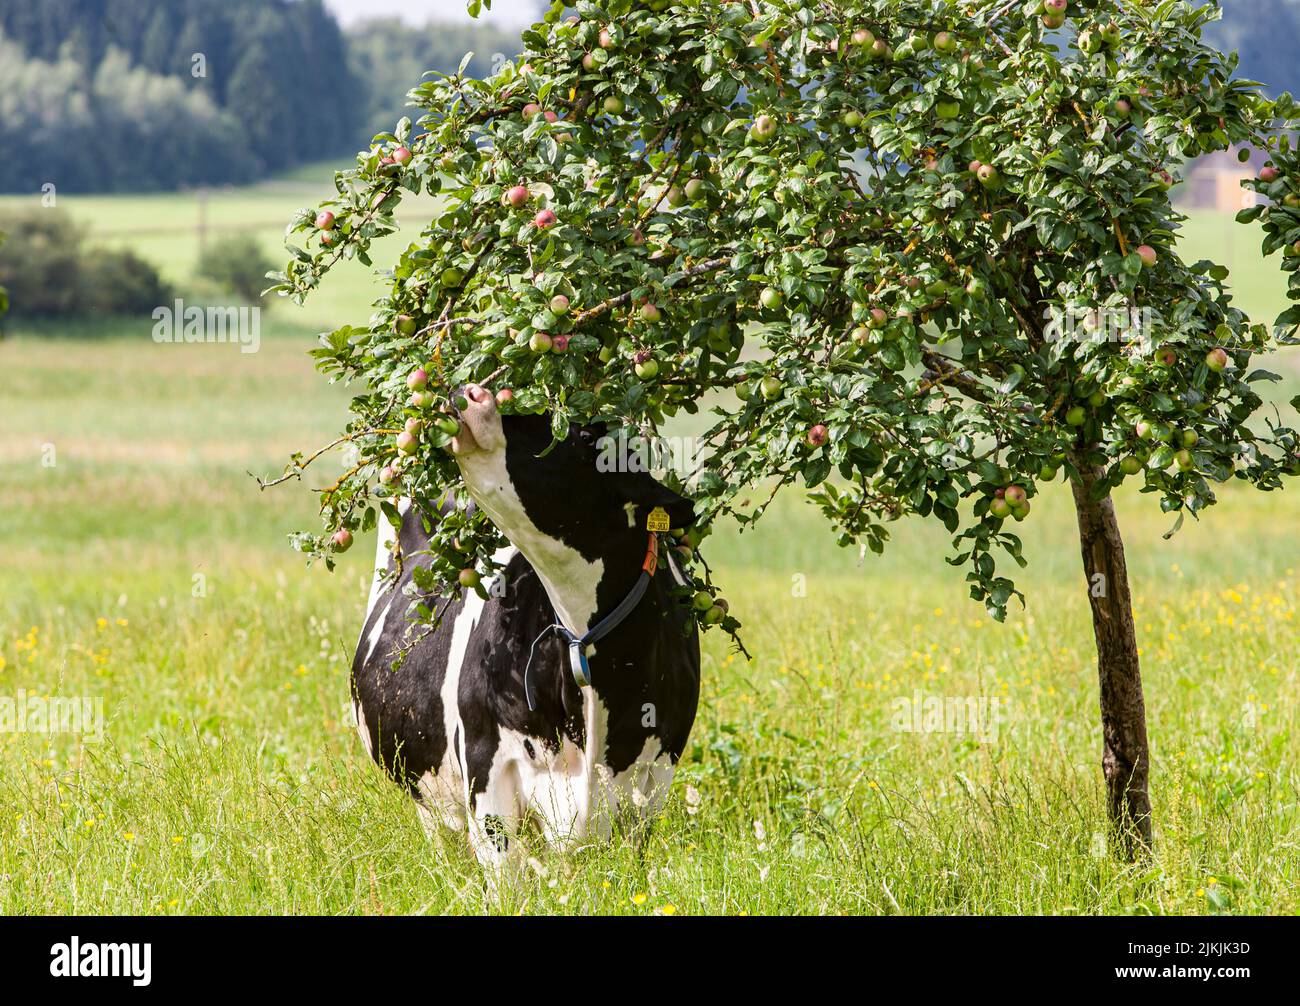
<point>120,95</point>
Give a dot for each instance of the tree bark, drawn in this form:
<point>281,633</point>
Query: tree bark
<point>1125,759</point>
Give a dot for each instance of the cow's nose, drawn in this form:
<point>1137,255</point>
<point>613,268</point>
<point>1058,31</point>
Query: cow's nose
<point>478,394</point>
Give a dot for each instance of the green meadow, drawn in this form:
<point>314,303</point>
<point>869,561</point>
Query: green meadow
<point>142,569</point>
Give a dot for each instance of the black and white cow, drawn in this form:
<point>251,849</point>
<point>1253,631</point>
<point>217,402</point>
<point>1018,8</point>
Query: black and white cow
<point>453,722</point>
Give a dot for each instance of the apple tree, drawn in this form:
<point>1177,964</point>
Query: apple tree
<point>925,250</point>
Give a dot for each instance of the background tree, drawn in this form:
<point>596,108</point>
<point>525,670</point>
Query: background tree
<point>900,232</point>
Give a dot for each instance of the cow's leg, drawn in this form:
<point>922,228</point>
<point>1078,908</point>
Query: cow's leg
<point>494,815</point>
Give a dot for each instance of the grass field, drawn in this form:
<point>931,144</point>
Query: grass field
<point>144,569</point>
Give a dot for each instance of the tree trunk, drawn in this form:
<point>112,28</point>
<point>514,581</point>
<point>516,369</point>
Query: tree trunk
<point>1125,760</point>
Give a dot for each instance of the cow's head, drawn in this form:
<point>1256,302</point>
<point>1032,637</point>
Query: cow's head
<point>538,492</point>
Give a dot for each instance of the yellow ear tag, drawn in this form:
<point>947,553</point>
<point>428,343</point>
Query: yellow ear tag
<point>658,520</point>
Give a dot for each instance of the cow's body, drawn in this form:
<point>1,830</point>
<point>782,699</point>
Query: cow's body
<point>452,721</point>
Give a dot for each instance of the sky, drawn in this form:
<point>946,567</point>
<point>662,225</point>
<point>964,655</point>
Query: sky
<point>512,13</point>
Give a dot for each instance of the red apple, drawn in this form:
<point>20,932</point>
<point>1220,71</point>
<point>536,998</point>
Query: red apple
<point>417,379</point>
<point>342,540</point>
<point>1268,173</point>
<point>517,197</point>
<point>544,219</point>
<point>559,343</point>
<point>818,435</point>
<point>1148,256</point>
<point>505,395</point>
<point>324,220</point>
<point>532,110</point>
<point>402,155</point>
<point>1216,359</point>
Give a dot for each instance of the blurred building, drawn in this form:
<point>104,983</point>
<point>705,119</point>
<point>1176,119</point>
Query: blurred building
<point>1213,182</point>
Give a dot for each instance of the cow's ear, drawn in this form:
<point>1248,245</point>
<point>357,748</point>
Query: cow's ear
<point>645,493</point>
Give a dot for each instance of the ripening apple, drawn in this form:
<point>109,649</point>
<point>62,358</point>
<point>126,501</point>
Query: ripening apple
<point>879,49</point>
<point>402,155</point>
<point>1015,495</point>
<point>771,387</point>
<point>1148,256</point>
<point>469,578</point>
<point>945,42</point>
<point>1216,359</point>
<point>1268,174</point>
<point>406,443</point>
<point>540,342</point>
<point>559,305</point>
<point>764,128</point>
<point>1185,460</point>
<point>1163,178</point>
<point>771,298</point>
<point>702,601</point>
<point>861,335</point>
<point>387,475</point>
<point>417,379</point>
<point>1053,20</point>
<point>614,105</point>
<point>1166,356</point>
<point>646,366</point>
<point>589,62</point>
<point>1056,6</point>
<point>517,196</point>
<point>878,318</point>
<point>559,344</point>
<point>544,219</point>
<point>862,37</point>
<point>324,220</point>
<point>1000,508</point>
<point>342,540</point>
<point>414,426</point>
<point>405,324</point>
<point>818,435</point>
<point>651,314</point>
<point>675,196</point>
<point>606,40</point>
<point>532,110</point>
<point>988,176</point>
<point>421,400</point>
<point>1190,438</point>
<point>1123,108</point>
<point>505,395</point>
<point>1144,430</point>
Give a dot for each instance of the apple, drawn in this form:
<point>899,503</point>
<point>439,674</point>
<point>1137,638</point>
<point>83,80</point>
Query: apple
<point>1053,20</point>
<point>861,335</point>
<point>1000,509</point>
<point>694,189</point>
<point>771,298</point>
<point>879,49</point>
<point>589,61</point>
<point>1144,430</point>
<point>702,601</point>
<point>1166,356</point>
<point>505,395</point>
<point>1015,495</point>
<point>421,400</point>
<point>540,342</point>
<point>517,197</point>
<point>974,167</point>
<point>637,238</point>
<point>387,475</point>
<point>469,578</point>
<point>532,110</point>
<point>402,155</point>
<point>852,118</point>
<point>606,40</point>
<point>614,105</point>
<point>405,324</point>
<point>1190,438</point>
<point>1268,174</point>
<point>1076,416</point>
<point>675,196</point>
<point>714,615</point>
<point>1056,6</point>
<point>1123,108</point>
<point>414,426</point>
<point>324,220</point>
<point>559,305</point>
<point>544,219</point>
<point>448,424</point>
<point>945,42</point>
<point>818,436</point>
<point>764,128</point>
<point>1047,473</point>
<point>1163,178</point>
<point>342,540</point>
<point>559,343</point>
<point>1216,359</point>
<point>651,314</point>
<point>947,109</point>
<point>1185,460</point>
<point>1109,33</point>
<point>878,319</point>
<point>988,176</point>
<point>771,387</point>
<point>645,365</point>
<point>1148,256</point>
<point>862,37</point>
<point>417,379</point>
<point>406,443</point>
